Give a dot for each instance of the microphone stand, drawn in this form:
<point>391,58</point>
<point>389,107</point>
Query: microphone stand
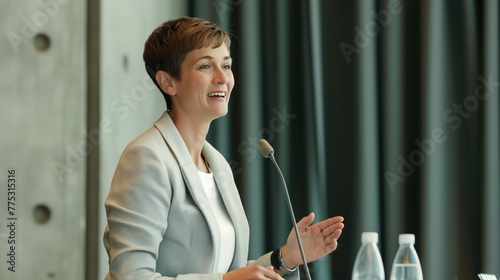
<point>292,215</point>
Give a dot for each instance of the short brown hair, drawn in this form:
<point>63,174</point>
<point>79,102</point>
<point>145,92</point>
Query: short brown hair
<point>167,47</point>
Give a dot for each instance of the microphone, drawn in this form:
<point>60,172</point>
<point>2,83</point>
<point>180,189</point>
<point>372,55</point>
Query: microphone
<point>268,152</point>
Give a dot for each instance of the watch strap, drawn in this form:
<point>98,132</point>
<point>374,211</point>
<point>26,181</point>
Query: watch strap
<point>279,264</point>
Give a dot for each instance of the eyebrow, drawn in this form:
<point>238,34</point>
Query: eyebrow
<point>211,58</point>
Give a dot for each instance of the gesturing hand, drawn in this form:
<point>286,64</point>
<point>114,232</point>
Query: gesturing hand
<point>255,272</point>
<point>318,240</point>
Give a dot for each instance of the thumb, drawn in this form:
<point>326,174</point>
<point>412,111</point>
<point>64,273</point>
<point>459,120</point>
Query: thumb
<point>306,221</point>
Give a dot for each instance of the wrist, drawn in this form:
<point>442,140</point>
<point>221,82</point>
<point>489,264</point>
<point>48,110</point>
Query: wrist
<point>280,265</point>
<point>287,259</point>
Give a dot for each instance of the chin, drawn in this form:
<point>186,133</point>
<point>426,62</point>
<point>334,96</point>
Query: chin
<point>220,114</point>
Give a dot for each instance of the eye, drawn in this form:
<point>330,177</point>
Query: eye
<point>227,67</point>
<point>205,66</point>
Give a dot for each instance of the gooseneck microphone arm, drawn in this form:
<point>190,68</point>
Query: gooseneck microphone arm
<point>268,152</point>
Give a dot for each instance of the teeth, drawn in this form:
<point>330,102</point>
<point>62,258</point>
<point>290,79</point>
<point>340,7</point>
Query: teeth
<point>221,94</point>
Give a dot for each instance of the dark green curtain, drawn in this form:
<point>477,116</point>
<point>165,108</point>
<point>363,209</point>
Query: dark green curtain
<point>385,112</point>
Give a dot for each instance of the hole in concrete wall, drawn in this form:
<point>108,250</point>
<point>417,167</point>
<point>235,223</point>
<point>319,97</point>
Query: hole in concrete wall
<point>125,62</point>
<point>42,42</point>
<point>41,214</point>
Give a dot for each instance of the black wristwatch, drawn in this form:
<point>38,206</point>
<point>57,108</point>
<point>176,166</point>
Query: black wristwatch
<point>279,264</point>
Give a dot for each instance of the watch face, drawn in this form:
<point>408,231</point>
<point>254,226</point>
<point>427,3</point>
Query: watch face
<point>282,267</point>
<point>279,264</point>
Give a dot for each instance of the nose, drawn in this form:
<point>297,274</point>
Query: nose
<point>220,76</point>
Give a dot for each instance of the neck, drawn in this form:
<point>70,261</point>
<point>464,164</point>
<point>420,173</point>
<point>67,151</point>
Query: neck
<point>193,132</point>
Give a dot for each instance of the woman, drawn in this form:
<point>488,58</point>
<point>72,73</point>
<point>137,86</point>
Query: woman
<point>173,209</point>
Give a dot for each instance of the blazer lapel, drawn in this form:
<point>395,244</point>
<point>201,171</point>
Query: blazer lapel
<point>227,188</point>
<point>191,177</point>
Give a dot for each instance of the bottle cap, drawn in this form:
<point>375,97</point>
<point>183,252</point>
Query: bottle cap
<point>369,237</point>
<point>407,238</point>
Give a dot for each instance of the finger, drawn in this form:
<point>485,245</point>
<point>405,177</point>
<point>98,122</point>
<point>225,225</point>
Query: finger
<point>337,233</point>
<point>328,222</point>
<point>331,247</point>
<point>306,221</point>
<point>333,237</point>
<point>332,228</point>
<point>269,273</point>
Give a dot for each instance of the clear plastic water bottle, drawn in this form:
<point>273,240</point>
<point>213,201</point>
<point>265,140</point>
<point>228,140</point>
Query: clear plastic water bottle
<point>368,264</point>
<point>406,265</point>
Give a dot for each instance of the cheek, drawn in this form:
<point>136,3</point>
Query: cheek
<point>230,83</point>
<point>200,83</point>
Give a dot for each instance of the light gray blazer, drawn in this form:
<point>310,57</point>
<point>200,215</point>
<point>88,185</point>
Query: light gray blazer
<point>160,223</point>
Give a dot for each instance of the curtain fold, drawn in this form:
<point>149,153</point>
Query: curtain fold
<point>383,111</point>
<point>491,208</point>
<point>392,113</point>
<point>438,184</point>
<point>365,90</point>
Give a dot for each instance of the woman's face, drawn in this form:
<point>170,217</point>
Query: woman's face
<point>205,85</point>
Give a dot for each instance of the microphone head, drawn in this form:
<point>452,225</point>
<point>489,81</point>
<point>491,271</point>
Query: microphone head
<point>265,148</point>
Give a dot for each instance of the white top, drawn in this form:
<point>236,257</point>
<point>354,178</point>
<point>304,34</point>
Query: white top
<point>228,239</point>
<point>407,238</point>
<point>369,237</point>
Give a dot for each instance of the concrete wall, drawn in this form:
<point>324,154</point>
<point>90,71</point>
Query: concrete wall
<point>42,127</point>
<point>73,93</point>
<point>129,101</point>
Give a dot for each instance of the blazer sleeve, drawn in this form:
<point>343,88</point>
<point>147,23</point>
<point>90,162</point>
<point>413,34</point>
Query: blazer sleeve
<point>137,210</point>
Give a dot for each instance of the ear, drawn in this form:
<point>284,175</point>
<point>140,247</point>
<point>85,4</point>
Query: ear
<point>166,82</point>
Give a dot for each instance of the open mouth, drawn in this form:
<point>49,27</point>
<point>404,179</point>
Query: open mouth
<point>217,94</point>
